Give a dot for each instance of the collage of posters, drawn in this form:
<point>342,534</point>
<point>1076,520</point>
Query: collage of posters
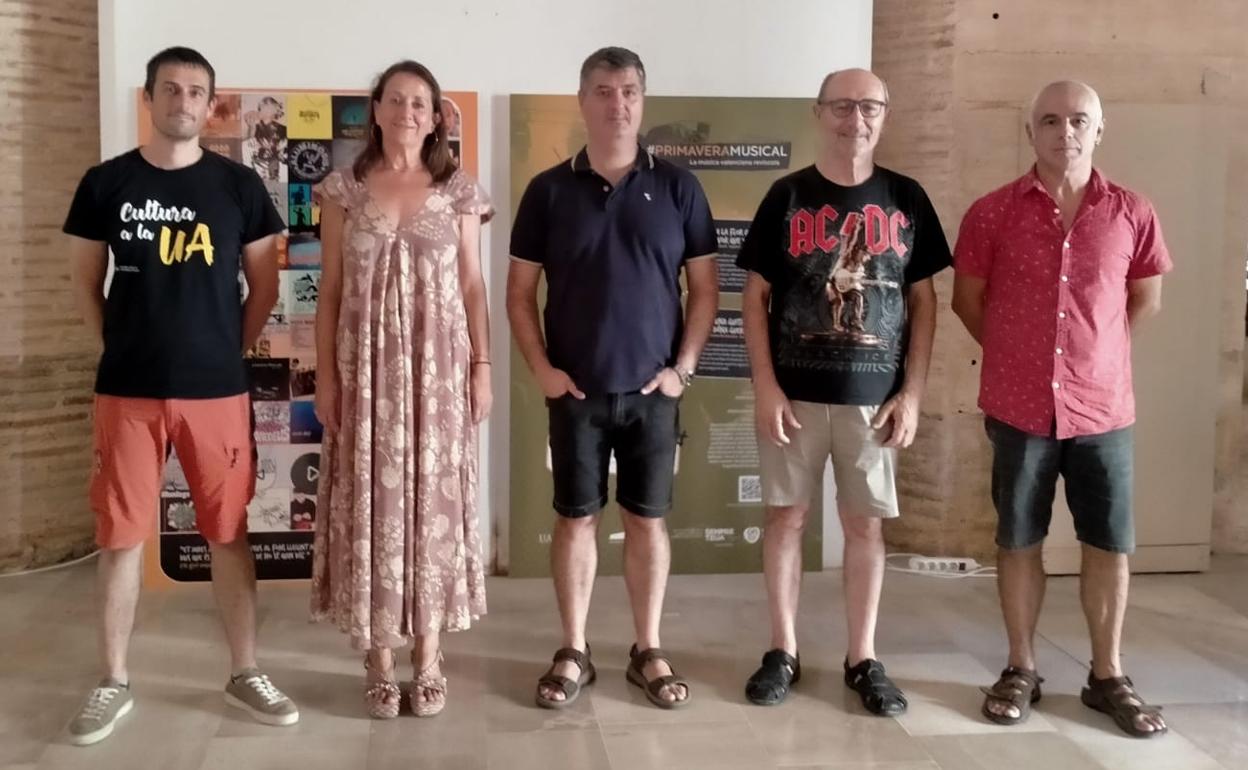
<point>292,140</point>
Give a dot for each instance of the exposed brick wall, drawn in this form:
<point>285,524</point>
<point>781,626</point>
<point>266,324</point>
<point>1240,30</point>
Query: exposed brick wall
<point>958,78</point>
<point>49,134</point>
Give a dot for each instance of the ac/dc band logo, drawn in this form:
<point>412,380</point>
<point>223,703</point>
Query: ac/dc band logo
<point>810,230</point>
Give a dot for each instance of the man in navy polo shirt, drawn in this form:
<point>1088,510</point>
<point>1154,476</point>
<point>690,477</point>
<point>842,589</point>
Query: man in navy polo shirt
<point>612,228</point>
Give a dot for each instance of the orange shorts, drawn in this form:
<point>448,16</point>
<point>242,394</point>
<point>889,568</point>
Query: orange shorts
<point>213,440</point>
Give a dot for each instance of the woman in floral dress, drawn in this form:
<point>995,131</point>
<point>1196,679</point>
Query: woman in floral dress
<point>402,334</point>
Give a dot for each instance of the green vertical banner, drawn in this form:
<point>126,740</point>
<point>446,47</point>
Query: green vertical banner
<point>737,147</point>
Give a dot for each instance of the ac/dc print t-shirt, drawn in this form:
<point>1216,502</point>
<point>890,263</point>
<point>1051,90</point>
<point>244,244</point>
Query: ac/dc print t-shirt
<point>173,314</point>
<point>839,261</point>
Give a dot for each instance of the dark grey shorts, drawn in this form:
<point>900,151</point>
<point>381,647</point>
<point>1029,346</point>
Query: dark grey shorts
<point>642,432</point>
<point>1098,473</point>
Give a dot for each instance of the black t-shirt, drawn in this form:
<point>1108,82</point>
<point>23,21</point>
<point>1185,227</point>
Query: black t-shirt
<point>839,260</point>
<point>173,315</point>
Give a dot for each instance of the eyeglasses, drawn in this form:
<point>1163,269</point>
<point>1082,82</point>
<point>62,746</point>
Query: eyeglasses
<point>843,108</point>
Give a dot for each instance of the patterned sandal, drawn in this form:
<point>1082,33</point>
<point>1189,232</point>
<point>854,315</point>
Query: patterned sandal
<point>428,682</point>
<point>378,692</point>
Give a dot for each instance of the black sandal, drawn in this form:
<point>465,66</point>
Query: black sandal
<point>879,695</point>
<point>571,688</point>
<point>1017,687</point>
<point>1117,697</point>
<point>653,688</point>
<point>770,684</point>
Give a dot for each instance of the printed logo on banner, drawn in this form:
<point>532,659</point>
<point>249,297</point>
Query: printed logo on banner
<point>269,379</point>
<point>350,117</point>
<point>225,119</point>
<point>272,422</point>
<point>752,534</point>
<point>273,342</point>
<point>264,132</point>
<point>267,465</point>
<point>269,511</point>
<point>309,160</point>
<point>279,193</point>
<point>229,148</point>
<point>305,251</point>
<point>302,514</point>
<point>175,482</point>
<point>302,379</point>
<point>309,116</point>
<point>304,288</point>
<point>305,473</point>
<point>177,513</point>
<point>305,215</point>
<point>303,337</point>
<point>685,144</point>
<point>720,534</point>
<point>304,427</point>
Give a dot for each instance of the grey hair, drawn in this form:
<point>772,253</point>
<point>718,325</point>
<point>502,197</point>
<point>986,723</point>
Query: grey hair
<point>1030,107</point>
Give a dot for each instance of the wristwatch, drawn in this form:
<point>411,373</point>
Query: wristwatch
<point>685,375</point>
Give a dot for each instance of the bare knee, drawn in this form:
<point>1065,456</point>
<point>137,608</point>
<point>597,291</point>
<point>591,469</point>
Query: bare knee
<point>637,527</point>
<point>862,530</point>
<point>1029,556</point>
<point>576,528</point>
<point>787,518</point>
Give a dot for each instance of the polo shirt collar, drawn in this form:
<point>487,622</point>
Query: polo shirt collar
<point>645,160</point>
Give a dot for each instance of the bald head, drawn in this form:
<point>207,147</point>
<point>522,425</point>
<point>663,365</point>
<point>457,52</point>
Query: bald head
<point>1053,98</point>
<point>853,84</point>
<point>1064,125</point>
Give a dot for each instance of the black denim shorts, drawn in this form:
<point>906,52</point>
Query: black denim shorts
<point>642,431</point>
<point>1098,471</point>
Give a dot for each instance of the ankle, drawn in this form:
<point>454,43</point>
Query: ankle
<point>786,643</point>
<point>1110,670</point>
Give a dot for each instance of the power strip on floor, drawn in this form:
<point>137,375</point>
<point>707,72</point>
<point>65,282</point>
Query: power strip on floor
<point>945,564</point>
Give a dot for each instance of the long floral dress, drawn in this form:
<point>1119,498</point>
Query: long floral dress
<point>397,552</point>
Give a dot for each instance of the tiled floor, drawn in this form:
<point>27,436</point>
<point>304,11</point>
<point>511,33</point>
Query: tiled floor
<point>1187,648</point>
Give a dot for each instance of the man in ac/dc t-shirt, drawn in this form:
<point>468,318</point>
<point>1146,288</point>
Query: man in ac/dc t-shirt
<point>839,316</point>
<point>181,223</point>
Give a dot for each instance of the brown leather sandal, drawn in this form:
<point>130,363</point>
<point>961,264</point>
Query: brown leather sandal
<point>1117,697</point>
<point>571,688</point>
<point>1017,687</point>
<point>653,688</point>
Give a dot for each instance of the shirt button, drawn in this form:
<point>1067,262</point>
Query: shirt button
<point>606,188</point>
<point>1057,211</point>
<point>1061,315</point>
<point>1065,279</point>
<point>1057,385</point>
<point>1066,244</point>
<point>1059,351</point>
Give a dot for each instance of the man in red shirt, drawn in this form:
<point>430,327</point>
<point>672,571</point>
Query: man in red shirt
<point>1053,272</point>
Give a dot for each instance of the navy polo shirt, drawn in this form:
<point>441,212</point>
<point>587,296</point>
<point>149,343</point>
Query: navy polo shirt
<point>612,257</point>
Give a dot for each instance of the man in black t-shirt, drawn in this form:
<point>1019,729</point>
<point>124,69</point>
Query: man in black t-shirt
<point>181,223</point>
<point>839,316</point>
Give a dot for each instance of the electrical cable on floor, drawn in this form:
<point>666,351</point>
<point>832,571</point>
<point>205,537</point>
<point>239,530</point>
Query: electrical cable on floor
<point>977,572</point>
<point>50,567</point>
